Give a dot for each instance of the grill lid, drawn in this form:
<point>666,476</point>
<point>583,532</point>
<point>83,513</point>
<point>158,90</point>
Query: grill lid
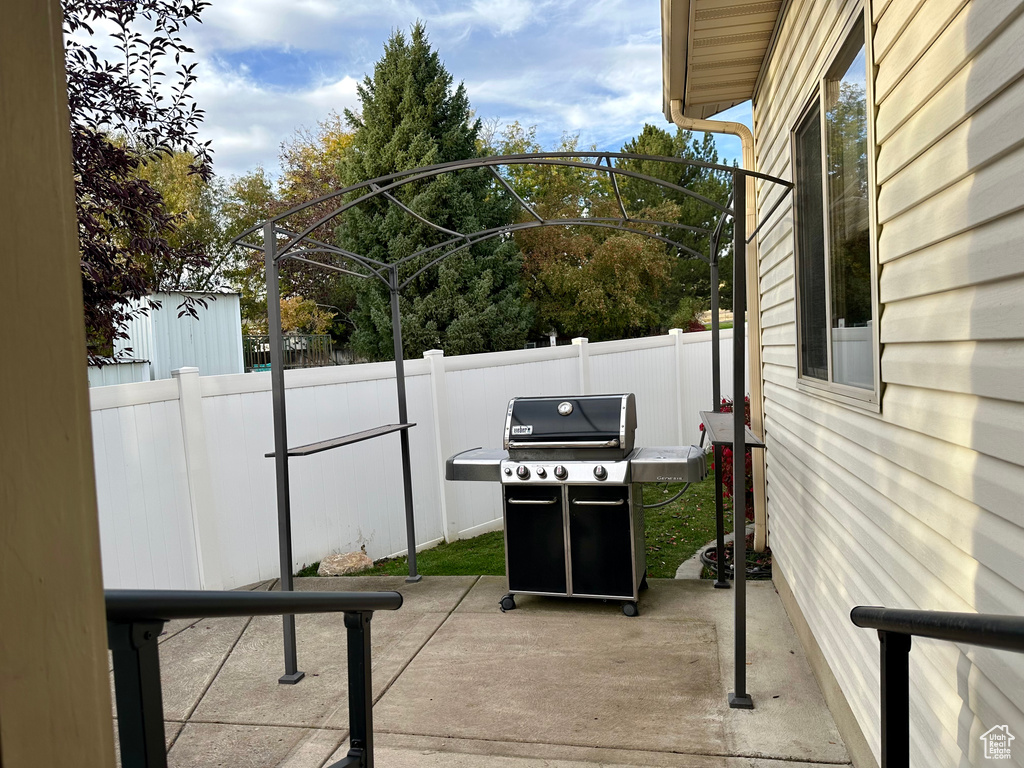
<point>578,424</point>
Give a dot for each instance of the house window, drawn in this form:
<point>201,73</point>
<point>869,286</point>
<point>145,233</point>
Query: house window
<point>837,319</point>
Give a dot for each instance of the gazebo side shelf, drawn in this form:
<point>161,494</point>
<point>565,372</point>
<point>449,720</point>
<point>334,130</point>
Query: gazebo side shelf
<point>719,429</point>
<point>337,442</point>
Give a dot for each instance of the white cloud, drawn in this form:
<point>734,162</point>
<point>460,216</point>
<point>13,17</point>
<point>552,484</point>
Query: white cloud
<point>311,25</point>
<point>586,66</point>
<point>327,25</point>
<point>605,94</point>
<point>503,17</point>
<point>247,121</point>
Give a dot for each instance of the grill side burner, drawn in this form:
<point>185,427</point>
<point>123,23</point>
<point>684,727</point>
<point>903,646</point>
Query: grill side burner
<point>573,503</point>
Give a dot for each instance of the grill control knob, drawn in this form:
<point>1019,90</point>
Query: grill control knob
<point>600,472</point>
<point>541,472</point>
<point>561,473</point>
<point>523,472</point>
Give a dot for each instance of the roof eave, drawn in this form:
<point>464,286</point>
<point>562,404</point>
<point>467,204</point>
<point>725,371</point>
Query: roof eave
<point>745,34</point>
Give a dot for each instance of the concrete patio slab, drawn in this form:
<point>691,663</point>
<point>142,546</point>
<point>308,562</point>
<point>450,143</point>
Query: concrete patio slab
<point>247,692</point>
<point>563,683</point>
<point>400,751</point>
<point>191,660</point>
<point>790,720</point>
<point>576,680</point>
<point>208,744</point>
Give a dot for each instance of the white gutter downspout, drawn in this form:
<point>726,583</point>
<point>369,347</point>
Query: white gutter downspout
<point>753,308</point>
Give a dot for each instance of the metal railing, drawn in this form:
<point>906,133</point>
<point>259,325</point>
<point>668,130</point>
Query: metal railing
<point>135,619</point>
<point>300,351</point>
<point>895,628</point>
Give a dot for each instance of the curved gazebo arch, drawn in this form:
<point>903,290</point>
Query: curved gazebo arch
<point>300,245</point>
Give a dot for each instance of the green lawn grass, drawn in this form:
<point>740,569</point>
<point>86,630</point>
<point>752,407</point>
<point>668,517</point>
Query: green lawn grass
<point>674,533</point>
<point>480,556</point>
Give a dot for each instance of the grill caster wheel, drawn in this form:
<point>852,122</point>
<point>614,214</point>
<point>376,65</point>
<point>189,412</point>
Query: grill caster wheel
<point>508,603</point>
<point>630,609</point>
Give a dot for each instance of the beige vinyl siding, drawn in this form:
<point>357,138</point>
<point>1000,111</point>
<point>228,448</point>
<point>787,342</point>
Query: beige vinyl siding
<point>975,74</point>
<point>988,369</point>
<point>995,248</point>
<point>922,504</point>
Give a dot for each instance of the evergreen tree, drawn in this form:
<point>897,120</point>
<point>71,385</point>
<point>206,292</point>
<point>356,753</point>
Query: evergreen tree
<point>411,117</point>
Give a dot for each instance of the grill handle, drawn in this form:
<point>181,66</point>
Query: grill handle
<point>585,503</point>
<point>533,501</point>
<point>613,443</point>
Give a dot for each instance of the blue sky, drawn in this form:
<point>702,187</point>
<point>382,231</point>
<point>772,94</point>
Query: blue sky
<point>269,67</point>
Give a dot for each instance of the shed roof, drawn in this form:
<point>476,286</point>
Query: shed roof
<point>712,51</point>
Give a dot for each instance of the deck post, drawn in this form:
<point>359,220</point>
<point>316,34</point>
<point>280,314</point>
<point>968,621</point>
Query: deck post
<point>894,649</point>
<point>360,687</point>
<point>140,712</point>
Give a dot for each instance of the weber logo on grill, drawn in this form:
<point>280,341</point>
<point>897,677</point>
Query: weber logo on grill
<point>522,429</point>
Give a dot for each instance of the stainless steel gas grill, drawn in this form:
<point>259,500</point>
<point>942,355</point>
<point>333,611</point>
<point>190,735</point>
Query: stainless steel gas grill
<point>573,507</point>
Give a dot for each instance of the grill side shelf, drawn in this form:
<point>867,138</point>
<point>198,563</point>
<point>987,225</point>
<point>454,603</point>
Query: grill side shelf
<point>337,442</point>
<point>668,464</point>
<point>479,464</point>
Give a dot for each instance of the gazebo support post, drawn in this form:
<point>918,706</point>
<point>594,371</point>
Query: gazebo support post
<point>292,674</point>
<point>739,698</point>
<point>721,581</point>
<point>396,327</point>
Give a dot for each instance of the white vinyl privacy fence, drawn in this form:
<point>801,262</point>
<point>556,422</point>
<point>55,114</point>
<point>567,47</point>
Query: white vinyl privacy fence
<point>187,497</point>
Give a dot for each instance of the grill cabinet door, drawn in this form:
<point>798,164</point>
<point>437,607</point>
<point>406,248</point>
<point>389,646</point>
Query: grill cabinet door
<point>601,548</point>
<point>535,539</point>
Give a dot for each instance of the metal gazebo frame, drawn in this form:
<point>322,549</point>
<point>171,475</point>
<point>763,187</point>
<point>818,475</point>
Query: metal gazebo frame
<point>302,247</point>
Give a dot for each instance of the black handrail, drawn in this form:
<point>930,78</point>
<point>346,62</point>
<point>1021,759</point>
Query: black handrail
<point>895,628</point>
<point>135,619</point>
<point>168,604</point>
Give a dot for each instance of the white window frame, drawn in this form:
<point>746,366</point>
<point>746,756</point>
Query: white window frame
<point>867,399</point>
